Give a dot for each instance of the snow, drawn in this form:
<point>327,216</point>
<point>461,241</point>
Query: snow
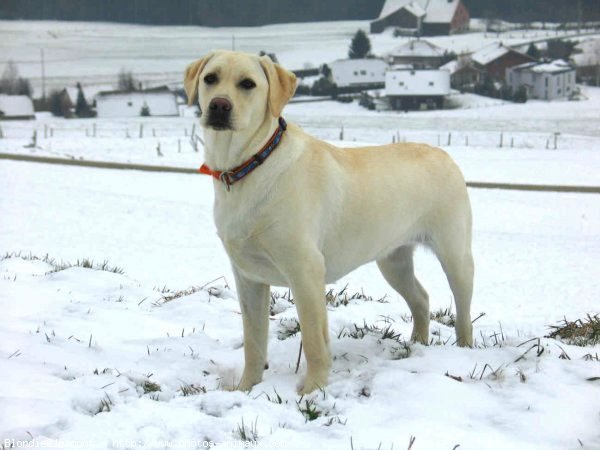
<point>588,53</point>
<point>417,47</point>
<point>553,67</point>
<point>440,11</point>
<point>94,53</point>
<point>16,106</point>
<point>80,348</point>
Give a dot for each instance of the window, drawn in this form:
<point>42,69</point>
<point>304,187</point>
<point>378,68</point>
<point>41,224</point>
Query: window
<point>356,73</point>
<point>546,81</point>
<point>129,103</point>
<point>401,83</point>
<point>431,83</point>
<point>363,72</point>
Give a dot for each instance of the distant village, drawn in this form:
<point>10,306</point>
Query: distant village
<point>416,75</point>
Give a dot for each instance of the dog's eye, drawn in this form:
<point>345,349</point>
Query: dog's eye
<point>247,83</point>
<point>211,78</point>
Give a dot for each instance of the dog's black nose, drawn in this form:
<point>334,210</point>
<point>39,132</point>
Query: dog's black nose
<point>220,105</point>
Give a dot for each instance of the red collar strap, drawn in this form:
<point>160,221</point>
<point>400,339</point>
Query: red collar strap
<point>229,177</point>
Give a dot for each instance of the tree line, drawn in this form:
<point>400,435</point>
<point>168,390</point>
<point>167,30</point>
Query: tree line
<point>260,12</point>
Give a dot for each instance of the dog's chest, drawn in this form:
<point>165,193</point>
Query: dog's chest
<point>241,238</point>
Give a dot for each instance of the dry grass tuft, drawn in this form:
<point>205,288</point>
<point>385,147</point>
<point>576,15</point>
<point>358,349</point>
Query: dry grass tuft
<point>581,332</point>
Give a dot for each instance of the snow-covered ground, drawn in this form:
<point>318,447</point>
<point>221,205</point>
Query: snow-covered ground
<point>94,359</point>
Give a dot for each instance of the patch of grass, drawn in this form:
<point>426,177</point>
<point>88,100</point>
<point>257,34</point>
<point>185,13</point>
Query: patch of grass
<point>309,410</point>
<point>189,389</point>
<point>58,266</point>
<point>150,386</point>
<point>385,333</point>
<point>288,328</point>
<point>169,296</point>
<point>343,297</point>
<point>445,316</point>
<point>581,332</point>
<point>245,433</point>
<point>382,333</point>
<point>106,405</point>
<point>276,398</point>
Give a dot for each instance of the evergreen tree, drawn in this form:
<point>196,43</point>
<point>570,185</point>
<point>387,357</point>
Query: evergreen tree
<point>360,47</point>
<point>533,51</point>
<point>82,109</point>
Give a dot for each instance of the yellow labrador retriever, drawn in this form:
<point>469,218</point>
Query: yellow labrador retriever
<point>295,211</point>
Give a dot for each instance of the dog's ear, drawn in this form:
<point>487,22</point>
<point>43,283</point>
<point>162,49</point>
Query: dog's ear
<point>282,85</point>
<point>190,80</point>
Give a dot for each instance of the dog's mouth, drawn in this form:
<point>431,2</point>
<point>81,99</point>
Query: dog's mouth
<point>219,123</point>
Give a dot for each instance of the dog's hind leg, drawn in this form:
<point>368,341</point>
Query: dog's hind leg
<point>453,249</point>
<point>398,270</point>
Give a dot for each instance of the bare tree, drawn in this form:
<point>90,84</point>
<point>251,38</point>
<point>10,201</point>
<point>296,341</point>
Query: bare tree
<point>12,84</point>
<point>126,81</point>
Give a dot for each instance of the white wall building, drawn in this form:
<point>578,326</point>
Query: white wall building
<point>545,81</point>
<point>16,107</point>
<point>358,72</point>
<point>159,101</point>
<point>409,88</point>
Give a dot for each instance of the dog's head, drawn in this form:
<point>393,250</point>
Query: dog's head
<point>237,90</point>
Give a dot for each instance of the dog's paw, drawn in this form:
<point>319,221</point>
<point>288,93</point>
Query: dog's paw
<point>312,382</point>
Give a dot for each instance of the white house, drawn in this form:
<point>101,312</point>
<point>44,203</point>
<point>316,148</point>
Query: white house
<point>410,88</point>
<point>358,72</point>
<point>545,81</point>
<point>16,107</point>
<point>159,101</point>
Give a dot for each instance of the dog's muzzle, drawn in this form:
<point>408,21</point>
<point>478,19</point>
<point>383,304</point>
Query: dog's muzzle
<point>219,114</point>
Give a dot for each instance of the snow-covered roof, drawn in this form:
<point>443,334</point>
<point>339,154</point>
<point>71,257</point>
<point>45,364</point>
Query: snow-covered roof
<point>391,6</point>
<point>156,90</point>
<point>451,66</point>
<point>435,11</point>
<point>16,106</point>
<point>556,66</point>
<point>491,52</point>
<point>418,47</point>
<point>440,11</point>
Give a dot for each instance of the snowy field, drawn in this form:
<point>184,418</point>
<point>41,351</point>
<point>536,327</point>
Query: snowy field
<point>95,359</point>
<point>93,53</point>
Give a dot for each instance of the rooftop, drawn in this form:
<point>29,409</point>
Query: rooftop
<point>435,11</point>
<point>418,47</point>
<point>16,106</point>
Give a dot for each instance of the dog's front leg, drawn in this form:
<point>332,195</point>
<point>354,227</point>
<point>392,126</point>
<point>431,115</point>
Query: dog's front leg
<point>254,302</point>
<point>307,281</point>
